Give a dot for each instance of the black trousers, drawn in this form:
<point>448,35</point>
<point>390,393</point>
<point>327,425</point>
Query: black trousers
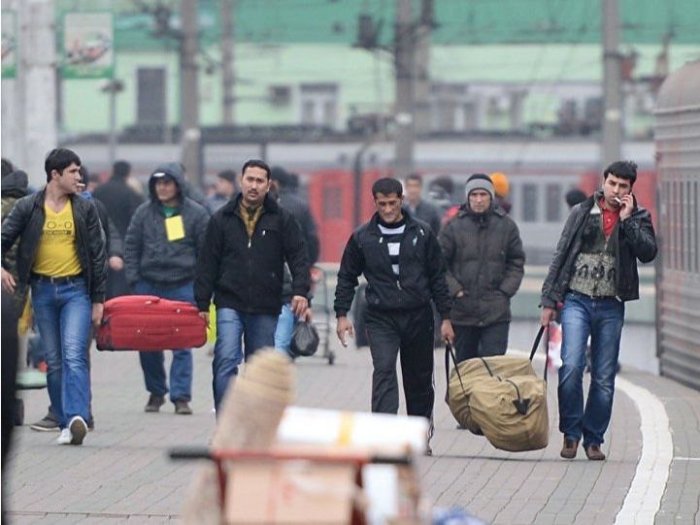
<point>410,335</point>
<point>10,347</point>
<point>480,341</point>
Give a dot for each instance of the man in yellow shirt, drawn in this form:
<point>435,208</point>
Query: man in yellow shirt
<point>61,256</point>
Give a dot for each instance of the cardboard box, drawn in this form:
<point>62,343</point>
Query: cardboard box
<point>289,492</point>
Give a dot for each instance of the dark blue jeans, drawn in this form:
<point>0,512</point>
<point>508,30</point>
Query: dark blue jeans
<point>63,314</point>
<point>257,331</point>
<point>602,320</point>
<point>153,363</point>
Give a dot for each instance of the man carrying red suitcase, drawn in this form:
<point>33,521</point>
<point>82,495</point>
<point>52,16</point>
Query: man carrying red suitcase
<point>163,241</point>
<point>61,256</point>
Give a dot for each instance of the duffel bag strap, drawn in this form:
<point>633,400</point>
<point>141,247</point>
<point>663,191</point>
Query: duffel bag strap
<point>544,330</point>
<point>449,352</point>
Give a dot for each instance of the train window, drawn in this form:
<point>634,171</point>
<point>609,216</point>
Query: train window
<point>529,202</point>
<point>553,203</point>
<point>332,203</point>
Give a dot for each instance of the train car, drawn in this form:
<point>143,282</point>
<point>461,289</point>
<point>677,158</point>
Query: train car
<point>678,265</point>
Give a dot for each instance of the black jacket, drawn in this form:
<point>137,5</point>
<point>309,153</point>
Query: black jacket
<point>148,254</point>
<point>633,239</point>
<point>300,211</point>
<point>121,202</point>
<point>428,214</point>
<point>422,270</point>
<point>246,274</point>
<point>485,260</point>
<point>26,220</point>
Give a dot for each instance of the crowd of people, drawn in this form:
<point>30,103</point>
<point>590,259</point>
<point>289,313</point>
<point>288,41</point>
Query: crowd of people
<point>247,249</point>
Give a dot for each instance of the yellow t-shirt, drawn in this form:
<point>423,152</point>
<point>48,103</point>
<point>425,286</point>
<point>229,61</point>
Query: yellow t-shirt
<point>57,255</point>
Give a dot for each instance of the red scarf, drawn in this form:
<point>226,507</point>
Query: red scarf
<point>610,218</point>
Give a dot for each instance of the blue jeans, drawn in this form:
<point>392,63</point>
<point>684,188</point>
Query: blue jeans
<point>153,363</point>
<point>602,319</point>
<point>285,328</point>
<point>63,314</point>
<point>257,331</point>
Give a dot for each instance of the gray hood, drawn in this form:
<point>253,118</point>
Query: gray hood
<point>173,169</point>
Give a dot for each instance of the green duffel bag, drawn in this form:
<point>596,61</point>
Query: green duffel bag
<point>479,374</point>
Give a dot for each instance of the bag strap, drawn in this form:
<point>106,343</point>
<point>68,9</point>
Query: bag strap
<point>544,330</point>
<point>449,352</point>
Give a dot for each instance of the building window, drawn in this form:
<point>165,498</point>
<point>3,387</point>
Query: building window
<point>553,203</point>
<point>151,95</point>
<point>332,203</point>
<point>529,202</point>
<point>319,104</point>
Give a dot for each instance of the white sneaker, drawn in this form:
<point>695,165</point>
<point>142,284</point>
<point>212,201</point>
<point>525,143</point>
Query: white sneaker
<point>64,438</point>
<point>77,428</point>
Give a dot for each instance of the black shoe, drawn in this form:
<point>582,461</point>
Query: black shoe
<point>182,408</point>
<point>154,403</point>
<point>49,423</point>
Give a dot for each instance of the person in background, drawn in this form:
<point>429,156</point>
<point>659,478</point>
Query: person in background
<point>593,273</point>
<point>403,264</point>
<point>485,266</point>
<point>62,256</point>
<point>224,190</point>
<point>501,189</point>
<point>164,239</point>
<point>419,208</point>
<point>286,185</point>
<point>121,201</point>
<point>241,266</point>
<point>574,197</point>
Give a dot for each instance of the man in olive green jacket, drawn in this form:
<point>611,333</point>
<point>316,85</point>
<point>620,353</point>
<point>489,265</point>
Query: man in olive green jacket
<point>485,261</point>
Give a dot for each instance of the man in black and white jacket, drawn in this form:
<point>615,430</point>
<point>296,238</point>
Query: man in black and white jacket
<point>401,259</point>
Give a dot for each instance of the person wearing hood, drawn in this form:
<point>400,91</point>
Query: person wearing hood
<point>164,239</point>
<point>593,273</point>
<point>485,266</point>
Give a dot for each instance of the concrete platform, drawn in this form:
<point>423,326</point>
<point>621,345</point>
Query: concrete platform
<point>121,473</point>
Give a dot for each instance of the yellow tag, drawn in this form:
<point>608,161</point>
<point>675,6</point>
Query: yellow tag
<point>175,228</point>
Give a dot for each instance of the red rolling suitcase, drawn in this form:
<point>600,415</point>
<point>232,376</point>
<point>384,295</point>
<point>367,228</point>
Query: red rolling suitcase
<point>147,322</point>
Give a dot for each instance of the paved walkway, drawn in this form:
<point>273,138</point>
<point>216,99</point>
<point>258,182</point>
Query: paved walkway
<point>121,473</point>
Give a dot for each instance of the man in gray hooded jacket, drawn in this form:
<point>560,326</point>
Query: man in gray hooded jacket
<point>163,241</point>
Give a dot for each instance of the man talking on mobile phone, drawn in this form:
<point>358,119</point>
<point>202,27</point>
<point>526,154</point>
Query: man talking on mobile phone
<point>593,274</point>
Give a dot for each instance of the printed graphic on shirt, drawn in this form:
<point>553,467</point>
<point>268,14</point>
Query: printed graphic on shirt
<point>57,254</point>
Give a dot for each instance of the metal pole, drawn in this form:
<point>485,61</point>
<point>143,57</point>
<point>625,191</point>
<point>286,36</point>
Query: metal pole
<point>227,75</point>
<point>405,77</point>
<point>112,124</point>
<point>611,148</point>
<point>422,68</point>
<point>189,94</point>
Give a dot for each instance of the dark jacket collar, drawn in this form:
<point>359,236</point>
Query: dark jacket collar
<point>232,206</point>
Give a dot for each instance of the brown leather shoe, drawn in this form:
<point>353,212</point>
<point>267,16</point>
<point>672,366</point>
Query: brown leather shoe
<point>594,453</point>
<point>568,451</point>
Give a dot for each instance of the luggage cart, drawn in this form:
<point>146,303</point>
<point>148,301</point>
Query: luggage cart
<point>322,312</point>
<point>223,458</point>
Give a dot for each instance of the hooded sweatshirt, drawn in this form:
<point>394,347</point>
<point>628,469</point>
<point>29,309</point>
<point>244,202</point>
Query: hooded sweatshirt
<point>148,254</point>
